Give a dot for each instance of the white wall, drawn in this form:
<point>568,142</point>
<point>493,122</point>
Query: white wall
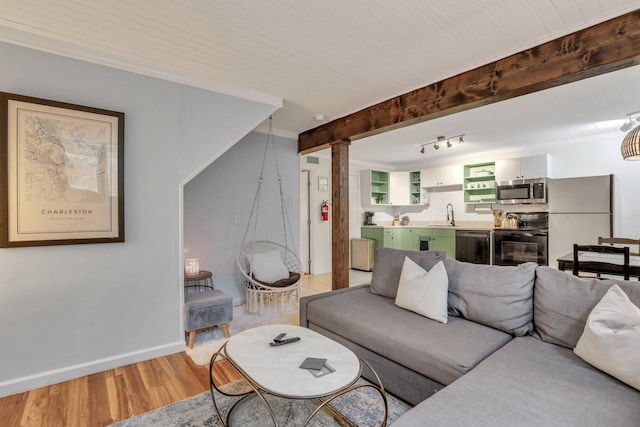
<point>217,204</point>
<point>66,311</point>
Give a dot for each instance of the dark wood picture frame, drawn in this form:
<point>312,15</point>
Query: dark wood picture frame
<point>62,173</point>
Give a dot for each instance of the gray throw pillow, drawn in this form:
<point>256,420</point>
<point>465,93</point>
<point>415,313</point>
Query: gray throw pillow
<point>562,303</point>
<point>497,296</point>
<point>388,266</point>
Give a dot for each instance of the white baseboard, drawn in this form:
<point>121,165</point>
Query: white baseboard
<point>19,385</point>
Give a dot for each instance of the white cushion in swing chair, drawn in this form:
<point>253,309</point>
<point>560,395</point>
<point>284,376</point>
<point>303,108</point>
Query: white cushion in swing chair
<point>268,266</point>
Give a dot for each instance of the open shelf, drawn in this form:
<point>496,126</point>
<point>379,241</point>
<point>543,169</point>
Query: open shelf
<point>479,183</point>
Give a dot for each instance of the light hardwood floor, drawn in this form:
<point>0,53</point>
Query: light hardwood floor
<point>107,397</point>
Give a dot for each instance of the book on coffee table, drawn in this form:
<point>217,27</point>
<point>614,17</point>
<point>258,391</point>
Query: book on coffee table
<point>316,366</point>
<point>313,363</point>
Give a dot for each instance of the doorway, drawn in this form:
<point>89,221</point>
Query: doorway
<point>316,234</point>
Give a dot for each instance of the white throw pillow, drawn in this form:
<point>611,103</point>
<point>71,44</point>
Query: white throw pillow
<point>611,337</point>
<point>268,266</point>
<point>424,292</point>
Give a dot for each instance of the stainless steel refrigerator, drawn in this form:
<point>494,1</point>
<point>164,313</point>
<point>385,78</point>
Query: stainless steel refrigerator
<point>580,210</point>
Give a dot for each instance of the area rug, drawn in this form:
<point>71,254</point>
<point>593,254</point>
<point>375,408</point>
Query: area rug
<point>362,406</point>
<point>209,341</point>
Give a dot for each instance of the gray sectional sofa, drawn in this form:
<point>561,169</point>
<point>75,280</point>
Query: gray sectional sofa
<point>504,358</point>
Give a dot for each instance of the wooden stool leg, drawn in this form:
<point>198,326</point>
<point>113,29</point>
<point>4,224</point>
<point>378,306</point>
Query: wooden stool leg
<point>192,337</point>
<point>225,329</point>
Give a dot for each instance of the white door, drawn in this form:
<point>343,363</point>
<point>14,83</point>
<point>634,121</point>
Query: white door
<point>305,221</point>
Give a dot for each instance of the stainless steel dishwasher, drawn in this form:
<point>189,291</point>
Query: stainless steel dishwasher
<point>474,246</point>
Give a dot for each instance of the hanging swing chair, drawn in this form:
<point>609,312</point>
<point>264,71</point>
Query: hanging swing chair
<point>272,272</point>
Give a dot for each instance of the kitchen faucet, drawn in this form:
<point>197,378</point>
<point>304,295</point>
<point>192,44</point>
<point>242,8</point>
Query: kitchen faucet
<point>450,218</point>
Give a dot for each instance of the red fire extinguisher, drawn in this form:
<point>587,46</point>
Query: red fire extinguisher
<point>324,210</point>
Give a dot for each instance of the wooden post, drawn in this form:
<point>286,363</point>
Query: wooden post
<point>340,214</point>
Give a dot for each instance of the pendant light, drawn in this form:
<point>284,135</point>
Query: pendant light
<point>631,145</point>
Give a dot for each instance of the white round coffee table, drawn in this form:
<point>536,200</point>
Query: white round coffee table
<point>275,371</point>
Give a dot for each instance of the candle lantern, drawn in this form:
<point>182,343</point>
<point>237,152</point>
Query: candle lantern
<point>192,266</point>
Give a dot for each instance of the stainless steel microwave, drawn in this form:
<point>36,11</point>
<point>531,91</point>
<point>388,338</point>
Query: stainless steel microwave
<point>522,191</point>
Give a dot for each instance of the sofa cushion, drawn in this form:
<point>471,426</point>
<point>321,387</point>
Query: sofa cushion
<point>496,296</point>
<point>562,303</point>
<point>530,383</point>
<point>424,292</point>
<point>442,352</point>
<point>388,265</point>
<point>611,337</point>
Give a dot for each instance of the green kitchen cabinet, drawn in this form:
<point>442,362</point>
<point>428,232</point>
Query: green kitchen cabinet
<point>439,239</point>
<point>373,233</point>
<point>415,190</point>
<point>443,240</point>
<point>479,183</point>
<point>374,187</point>
<point>411,237</point>
<point>392,238</point>
<point>385,237</point>
<point>408,238</point>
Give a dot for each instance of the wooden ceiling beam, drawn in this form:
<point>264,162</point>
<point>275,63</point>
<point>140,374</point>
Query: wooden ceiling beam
<point>608,46</point>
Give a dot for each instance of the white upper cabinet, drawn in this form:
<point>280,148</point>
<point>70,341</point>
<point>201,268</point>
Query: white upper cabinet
<point>399,188</point>
<point>522,168</point>
<point>442,176</point>
<point>390,188</point>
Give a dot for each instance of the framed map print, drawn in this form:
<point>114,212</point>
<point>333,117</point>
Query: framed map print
<point>62,173</point>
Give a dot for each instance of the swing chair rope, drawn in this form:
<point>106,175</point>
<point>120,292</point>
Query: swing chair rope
<point>255,208</point>
<point>259,292</point>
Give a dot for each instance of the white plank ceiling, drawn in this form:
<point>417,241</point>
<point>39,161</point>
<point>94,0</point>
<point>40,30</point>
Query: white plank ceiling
<point>332,56</point>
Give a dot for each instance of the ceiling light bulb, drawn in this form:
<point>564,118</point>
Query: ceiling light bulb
<point>448,144</point>
<point>422,150</point>
<point>436,146</point>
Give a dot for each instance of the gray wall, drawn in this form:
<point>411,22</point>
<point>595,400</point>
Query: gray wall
<point>66,311</point>
<point>217,204</point>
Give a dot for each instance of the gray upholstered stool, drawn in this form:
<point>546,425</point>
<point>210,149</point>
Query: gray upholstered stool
<point>205,309</point>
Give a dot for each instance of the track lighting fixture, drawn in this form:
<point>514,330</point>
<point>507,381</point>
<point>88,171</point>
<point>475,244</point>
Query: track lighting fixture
<point>628,125</point>
<point>439,139</point>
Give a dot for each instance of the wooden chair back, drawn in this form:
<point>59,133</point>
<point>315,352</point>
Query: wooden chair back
<point>620,241</point>
<point>601,267</point>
